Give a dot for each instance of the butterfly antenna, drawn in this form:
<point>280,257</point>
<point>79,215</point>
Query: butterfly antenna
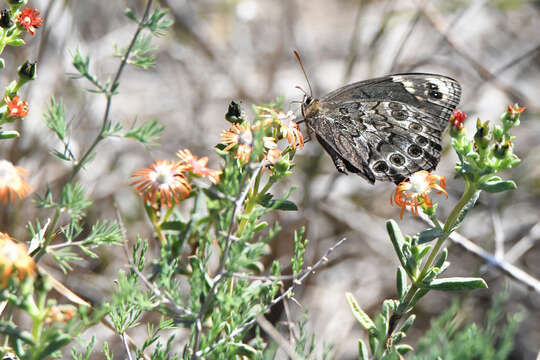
<point>305,75</point>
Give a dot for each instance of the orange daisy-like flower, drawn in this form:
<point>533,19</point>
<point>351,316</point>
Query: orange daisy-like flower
<point>14,257</point>
<point>198,166</point>
<point>288,127</point>
<point>414,192</point>
<point>30,19</point>
<point>12,183</point>
<point>165,179</point>
<point>241,135</point>
<point>16,108</point>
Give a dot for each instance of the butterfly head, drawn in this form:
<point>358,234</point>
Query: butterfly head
<point>310,106</point>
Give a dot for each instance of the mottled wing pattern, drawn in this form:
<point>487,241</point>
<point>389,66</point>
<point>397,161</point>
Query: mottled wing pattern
<point>387,128</point>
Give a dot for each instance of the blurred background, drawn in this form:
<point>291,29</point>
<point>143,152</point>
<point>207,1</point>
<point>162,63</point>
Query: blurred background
<point>218,51</point>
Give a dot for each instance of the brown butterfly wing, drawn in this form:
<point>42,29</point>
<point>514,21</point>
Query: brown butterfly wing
<point>387,128</point>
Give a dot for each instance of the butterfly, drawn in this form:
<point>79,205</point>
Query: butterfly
<point>385,128</point>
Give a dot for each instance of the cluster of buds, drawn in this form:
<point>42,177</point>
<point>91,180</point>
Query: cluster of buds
<point>490,150</point>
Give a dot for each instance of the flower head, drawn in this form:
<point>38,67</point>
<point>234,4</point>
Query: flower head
<point>162,182</point>
<point>12,183</point>
<point>14,257</point>
<point>457,120</point>
<point>514,110</point>
<point>16,108</point>
<point>60,313</point>
<point>290,129</point>
<point>241,135</point>
<point>414,191</point>
<point>30,19</point>
<point>198,166</point>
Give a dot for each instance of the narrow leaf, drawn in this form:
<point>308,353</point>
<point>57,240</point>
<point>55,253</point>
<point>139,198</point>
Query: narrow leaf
<point>398,241</point>
<point>442,258</point>
<point>429,235</point>
<point>408,323</point>
<point>362,351</point>
<point>404,348</point>
<point>457,284</point>
<point>401,279</point>
<point>497,186</point>
<point>358,313</point>
<point>173,225</point>
<point>10,134</point>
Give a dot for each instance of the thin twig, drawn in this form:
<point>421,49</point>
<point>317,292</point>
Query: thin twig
<point>517,60</point>
<point>126,346</point>
<point>292,337</point>
<point>110,92</point>
<point>523,245</point>
<point>278,338</point>
<point>311,269</point>
<point>498,234</point>
<point>412,26</point>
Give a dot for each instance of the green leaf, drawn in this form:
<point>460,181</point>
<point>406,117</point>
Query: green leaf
<point>362,351</point>
<point>173,225</point>
<point>59,341</point>
<point>441,259</point>
<point>147,133</point>
<point>398,241</point>
<point>358,313</point>
<point>401,280</point>
<point>10,134</point>
<point>417,296</point>
<point>408,323</point>
<point>495,185</point>
<point>404,348</point>
<point>270,203</point>
<point>16,42</point>
<point>429,235</point>
<point>130,14</point>
<point>456,284</point>
<point>13,331</point>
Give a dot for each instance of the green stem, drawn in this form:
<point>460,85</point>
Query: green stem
<point>252,201</point>
<point>40,250</point>
<point>403,308</point>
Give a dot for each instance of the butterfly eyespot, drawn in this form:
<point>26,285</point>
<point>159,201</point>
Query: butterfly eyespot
<point>395,106</point>
<point>397,159</point>
<point>343,110</point>
<point>435,94</point>
<point>422,141</point>
<point>399,114</point>
<point>414,150</point>
<point>432,86</point>
<point>415,127</point>
<point>380,166</point>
